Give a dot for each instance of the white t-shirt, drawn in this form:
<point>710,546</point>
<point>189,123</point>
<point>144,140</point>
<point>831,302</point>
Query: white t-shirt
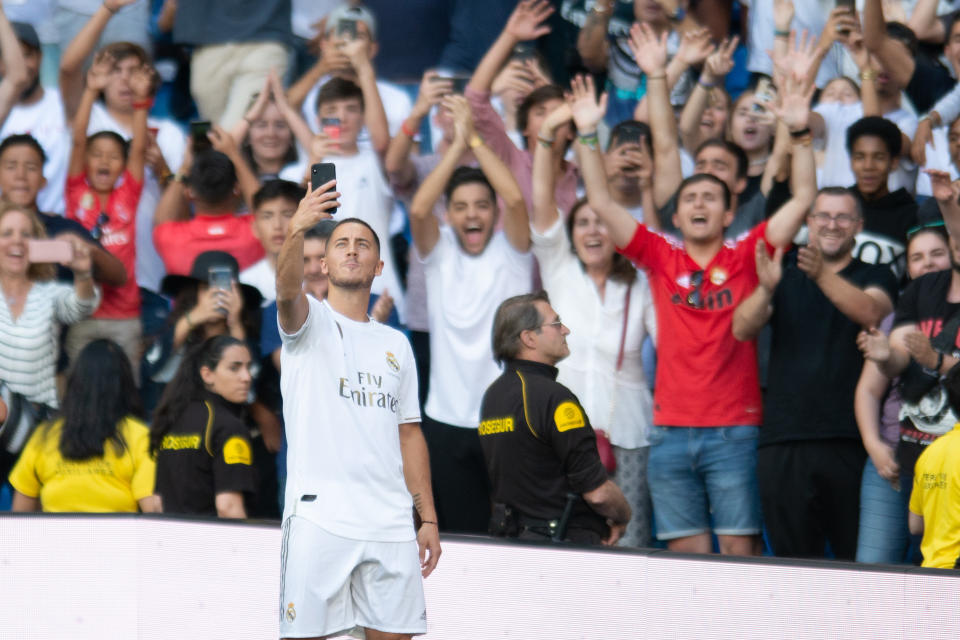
<point>46,122</point>
<point>836,171</point>
<point>263,276</point>
<point>170,139</point>
<point>619,402</point>
<point>366,194</point>
<point>347,386</point>
<point>396,105</point>
<point>464,292</point>
<point>938,157</point>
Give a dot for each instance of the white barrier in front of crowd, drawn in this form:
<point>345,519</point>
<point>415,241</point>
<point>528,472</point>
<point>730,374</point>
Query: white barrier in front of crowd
<point>109,577</point>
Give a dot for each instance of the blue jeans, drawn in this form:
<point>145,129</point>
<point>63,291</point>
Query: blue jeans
<point>883,536</point>
<point>698,472</point>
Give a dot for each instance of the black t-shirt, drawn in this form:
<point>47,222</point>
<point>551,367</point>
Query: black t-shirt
<point>814,360</point>
<point>924,303</point>
<point>533,465</point>
<point>55,225</point>
<point>886,221</point>
<point>930,81</point>
<point>208,453</point>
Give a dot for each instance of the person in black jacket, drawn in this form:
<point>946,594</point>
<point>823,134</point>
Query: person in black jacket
<point>541,452</point>
<point>199,433</point>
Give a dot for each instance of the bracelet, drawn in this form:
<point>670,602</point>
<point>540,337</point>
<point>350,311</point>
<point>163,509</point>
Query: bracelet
<point>802,141</point>
<point>800,133</point>
<point>406,130</point>
<point>869,74</point>
<point>706,85</point>
<point>143,104</point>
<point>429,522</point>
<point>601,10</point>
<point>781,34</point>
<point>88,275</point>
<point>662,76</point>
<point>939,362</point>
<point>589,139</point>
<point>475,141</point>
<point>545,142</point>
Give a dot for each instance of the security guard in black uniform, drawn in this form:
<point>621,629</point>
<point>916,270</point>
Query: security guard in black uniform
<point>541,452</point>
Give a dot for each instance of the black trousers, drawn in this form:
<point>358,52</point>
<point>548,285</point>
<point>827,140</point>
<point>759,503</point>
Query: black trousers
<point>810,493</point>
<point>461,487</point>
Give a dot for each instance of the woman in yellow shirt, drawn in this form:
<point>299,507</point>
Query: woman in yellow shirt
<point>95,456</point>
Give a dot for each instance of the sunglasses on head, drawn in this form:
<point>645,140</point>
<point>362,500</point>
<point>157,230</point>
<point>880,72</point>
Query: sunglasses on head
<point>912,231</point>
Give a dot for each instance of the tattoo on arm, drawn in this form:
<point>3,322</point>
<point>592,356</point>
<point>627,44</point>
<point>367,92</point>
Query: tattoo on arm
<point>418,503</point>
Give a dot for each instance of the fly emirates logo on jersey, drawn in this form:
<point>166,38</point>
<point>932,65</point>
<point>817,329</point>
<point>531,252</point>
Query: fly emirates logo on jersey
<point>366,390</point>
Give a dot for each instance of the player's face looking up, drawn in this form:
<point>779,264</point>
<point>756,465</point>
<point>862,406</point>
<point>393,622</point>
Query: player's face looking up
<point>352,259</point>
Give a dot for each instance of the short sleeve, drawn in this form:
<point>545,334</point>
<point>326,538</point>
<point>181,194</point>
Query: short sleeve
<point>882,278</point>
<point>144,466</point>
<point>409,387</point>
<point>575,442</point>
<point>916,496</point>
<point>551,246</point>
<point>24,476</point>
<point>233,468</point>
<point>746,246</point>
<point>646,248</point>
<point>293,341</point>
<point>906,309</point>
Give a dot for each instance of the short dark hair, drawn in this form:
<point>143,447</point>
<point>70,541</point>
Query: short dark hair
<point>23,140</point>
<point>212,177</point>
<point>706,177</point>
<point>113,136</point>
<point>628,126</point>
<point>338,89</point>
<point>951,383</point>
<point>273,189</point>
<point>537,96</point>
<point>120,51</point>
<point>467,175</point>
<point>514,316</point>
<point>376,238</point>
<point>321,230</point>
<point>877,127</point>
<point>743,163</point>
<point>841,191</point>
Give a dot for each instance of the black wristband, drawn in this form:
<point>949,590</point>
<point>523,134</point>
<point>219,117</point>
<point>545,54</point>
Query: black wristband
<point>800,133</point>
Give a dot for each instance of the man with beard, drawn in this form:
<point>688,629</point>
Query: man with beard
<point>357,462</point>
<point>810,456</point>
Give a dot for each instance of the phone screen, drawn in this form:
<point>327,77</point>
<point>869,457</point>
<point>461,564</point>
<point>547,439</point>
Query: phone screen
<point>320,174</point>
<point>49,251</point>
<point>330,127</point>
<point>348,28</point>
<point>198,135</point>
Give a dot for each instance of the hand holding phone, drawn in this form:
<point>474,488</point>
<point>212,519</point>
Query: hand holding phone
<point>198,135</point>
<point>320,174</point>
<point>221,281</point>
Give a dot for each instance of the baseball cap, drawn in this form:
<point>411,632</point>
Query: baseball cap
<point>26,34</point>
<point>352,12</point>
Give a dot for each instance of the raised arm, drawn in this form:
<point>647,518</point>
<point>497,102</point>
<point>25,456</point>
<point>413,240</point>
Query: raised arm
<point>516,224</point>
<point>331,59</point>
<point>715,70</point>
<point>141,83</point>
<point>893,54</point>
<point>173,205</point>
<point>248,181</point>
<point>292,305</point>
<point>946,194</point>
<point>82,45</point>
<point>525,23</point>
<point>97,78</point>
<point>241,128</point>
<point>424,226</point>
<point>651,55</point>
<point>374,117</point>
<point>925,23</point>
<point>868,77</point>
<point>592,44</point>
<point>587,114</point>
<point>397,162</point>
<point>15,79</point>
<point>793,110</point>
<point>545,211</point>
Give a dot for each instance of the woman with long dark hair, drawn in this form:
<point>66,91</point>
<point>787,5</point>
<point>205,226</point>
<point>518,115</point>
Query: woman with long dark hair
<point>200,436</point>
<point>95,456</point>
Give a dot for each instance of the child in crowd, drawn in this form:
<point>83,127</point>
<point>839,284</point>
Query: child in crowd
<point>104,183</point>
<point>273,206</point>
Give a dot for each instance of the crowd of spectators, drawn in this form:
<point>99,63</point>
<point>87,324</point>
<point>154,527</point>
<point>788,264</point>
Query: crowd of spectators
<point>743,211</point>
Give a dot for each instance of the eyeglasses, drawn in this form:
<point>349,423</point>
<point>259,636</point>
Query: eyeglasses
<point>97,232</point>
<point>695,297</point>
<point>843,220</point>
<point>912,231</point>
<point>556,323</point>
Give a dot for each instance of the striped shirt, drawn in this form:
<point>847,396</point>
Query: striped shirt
<point>29,345</point>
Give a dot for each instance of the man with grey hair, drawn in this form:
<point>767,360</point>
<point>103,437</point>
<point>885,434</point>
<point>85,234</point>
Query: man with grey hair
<point>541,452</point>
<point>810,456</point>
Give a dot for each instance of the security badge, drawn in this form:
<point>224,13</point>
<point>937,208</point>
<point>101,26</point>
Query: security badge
<point>568,416</point>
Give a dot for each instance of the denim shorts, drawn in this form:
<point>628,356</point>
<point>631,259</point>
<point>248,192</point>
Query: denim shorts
<point>699,473</point>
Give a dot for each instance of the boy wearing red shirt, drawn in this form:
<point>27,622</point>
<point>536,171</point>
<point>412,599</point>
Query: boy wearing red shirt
<point>707,405</point>
<point>104,182</point>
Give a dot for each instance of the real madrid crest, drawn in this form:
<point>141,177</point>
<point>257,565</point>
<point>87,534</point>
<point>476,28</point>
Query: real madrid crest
<point>291,613</point>
<point>392,362</point>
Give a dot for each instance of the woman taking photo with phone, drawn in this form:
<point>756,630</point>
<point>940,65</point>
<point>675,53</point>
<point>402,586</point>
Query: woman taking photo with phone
<point>95,456</point>
<point>200,435</point>
<point>32,310</point>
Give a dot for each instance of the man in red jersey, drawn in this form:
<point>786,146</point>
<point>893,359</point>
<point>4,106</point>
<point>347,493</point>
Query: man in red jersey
<point>707,404</point>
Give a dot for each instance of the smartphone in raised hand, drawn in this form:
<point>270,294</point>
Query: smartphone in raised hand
<point>49,251</point>
<point>199,140</point>
<point>320,174</point>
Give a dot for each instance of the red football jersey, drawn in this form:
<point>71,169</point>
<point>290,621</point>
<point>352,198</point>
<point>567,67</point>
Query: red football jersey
<point>705,376</point>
